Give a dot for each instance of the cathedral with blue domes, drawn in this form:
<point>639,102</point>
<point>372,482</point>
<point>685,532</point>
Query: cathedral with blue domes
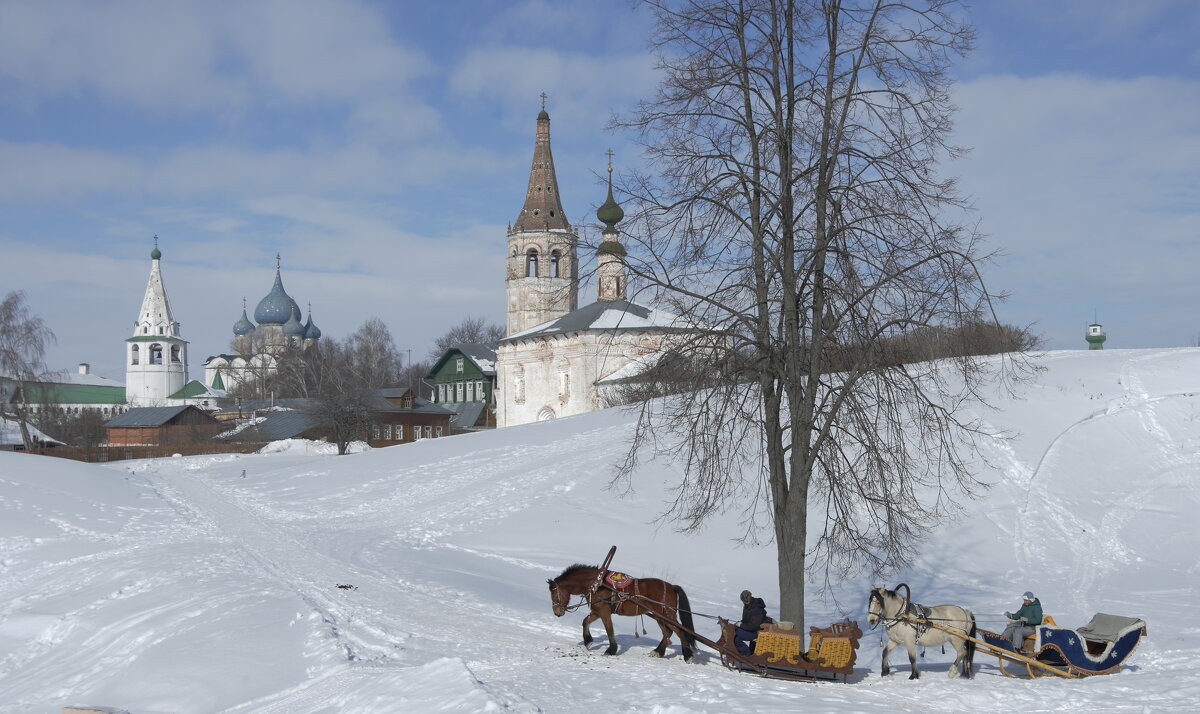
<point>257,347</point>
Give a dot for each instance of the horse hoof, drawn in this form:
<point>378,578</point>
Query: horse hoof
<point>914,675</point>
<point>610,651</point>
<point>886,671</point>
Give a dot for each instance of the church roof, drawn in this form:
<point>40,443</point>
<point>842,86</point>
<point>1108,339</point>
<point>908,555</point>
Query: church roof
<point>293,326</point>
<point>311,331</point>
<point>156,309</point>
<point>277,306</point>
<point>608,315</point>
<point>543,209</point>
<point>196,388</point>
<point>243,326</point>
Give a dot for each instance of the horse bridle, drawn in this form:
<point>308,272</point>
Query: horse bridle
<point>901,613</point>
<point>556,595</point>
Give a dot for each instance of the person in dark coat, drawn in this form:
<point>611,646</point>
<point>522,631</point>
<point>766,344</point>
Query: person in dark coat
<point>1023,620</point>
<point>754,614</point>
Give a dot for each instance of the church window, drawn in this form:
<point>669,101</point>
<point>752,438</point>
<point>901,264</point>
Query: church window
<point>519,387</point>
<point>160,330</point>
<point>554,261</point>
<point>156,353</point>
<point>133,355</point>
<point>531,263</point>
<point>174,353</point>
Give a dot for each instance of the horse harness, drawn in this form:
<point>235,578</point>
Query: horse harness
<point>915,615</point>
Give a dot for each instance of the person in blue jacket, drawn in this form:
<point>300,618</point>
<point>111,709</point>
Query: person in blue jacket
<point>754,614</point>
<point>1023,620</point>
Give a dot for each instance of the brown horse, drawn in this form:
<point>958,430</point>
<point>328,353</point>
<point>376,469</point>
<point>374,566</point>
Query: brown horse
<point>665,603</point>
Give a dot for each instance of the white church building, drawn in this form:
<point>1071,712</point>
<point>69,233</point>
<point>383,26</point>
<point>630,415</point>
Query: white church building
<point>557,358</point>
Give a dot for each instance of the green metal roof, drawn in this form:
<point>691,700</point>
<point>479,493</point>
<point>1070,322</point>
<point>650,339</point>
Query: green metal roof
<point>193,388</point>
<point>75,394</point>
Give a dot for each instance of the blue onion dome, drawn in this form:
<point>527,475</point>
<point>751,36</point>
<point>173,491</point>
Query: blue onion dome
<point>277,306</point>
<point>293,328</point>
<point>311,331</point>
<point>243,326</point>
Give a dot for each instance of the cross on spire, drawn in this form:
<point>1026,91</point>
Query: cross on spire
<point>278,261</point>
<point>155,240</point>
<point>610,155</point>
<point>543,101</point>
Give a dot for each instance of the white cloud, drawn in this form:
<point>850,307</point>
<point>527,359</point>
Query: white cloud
<point>1093,188</point>
<point>201,56</point>
<point>583,89</point>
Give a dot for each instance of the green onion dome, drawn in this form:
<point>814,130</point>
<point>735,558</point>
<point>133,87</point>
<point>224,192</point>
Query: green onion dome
<point>610,212</point>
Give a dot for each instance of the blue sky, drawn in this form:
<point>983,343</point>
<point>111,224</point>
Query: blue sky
<point>383,147</point>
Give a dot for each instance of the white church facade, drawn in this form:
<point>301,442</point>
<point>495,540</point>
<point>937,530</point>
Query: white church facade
<point>558,359</point>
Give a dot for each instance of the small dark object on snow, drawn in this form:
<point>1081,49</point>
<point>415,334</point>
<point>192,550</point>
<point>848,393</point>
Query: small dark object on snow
<point>347,587</point>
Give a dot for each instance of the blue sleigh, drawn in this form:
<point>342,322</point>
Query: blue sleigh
<point>1099,647</point>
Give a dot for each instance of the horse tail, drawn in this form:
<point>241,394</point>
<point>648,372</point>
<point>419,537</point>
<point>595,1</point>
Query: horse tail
<point>968,665</point>
<point>685,617</point>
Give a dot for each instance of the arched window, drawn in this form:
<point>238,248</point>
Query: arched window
<point>133,354</point>
<point>531,263</point>
<point>155,353</point>
<point>554,260</point>
<point>174,353</point>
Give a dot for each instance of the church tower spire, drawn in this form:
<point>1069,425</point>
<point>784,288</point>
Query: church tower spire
<point>155,355</point>
<point>542,279</point>
<point>610,255</point>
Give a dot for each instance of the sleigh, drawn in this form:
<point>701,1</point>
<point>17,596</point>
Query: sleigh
<point>779,651</point>
<point>1099,647</point>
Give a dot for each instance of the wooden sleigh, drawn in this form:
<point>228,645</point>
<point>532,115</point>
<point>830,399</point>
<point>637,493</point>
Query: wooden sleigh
<point>779,652</point>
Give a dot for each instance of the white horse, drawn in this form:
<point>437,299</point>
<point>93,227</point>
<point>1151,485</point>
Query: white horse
<point>908,624</point>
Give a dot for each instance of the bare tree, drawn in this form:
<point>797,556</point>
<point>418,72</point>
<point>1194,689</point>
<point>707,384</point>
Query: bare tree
<point>23,340</point>
<point>798,212</point>
<point>470,330</point>
<point>371,357</point>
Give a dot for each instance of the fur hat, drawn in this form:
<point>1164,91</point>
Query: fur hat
<point>746,595</point>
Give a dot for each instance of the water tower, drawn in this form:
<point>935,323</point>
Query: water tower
<point>1095,336</point>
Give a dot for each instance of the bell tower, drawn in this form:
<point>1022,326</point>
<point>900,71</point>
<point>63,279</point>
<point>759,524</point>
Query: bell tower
<point>542,269</point>
<point>610,256</point>
<point>155,356</point>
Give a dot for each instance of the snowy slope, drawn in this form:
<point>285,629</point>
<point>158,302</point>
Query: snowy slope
<point>180,585</point>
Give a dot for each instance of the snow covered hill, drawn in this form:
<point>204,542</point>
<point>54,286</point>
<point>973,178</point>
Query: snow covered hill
<point>413,579</point>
